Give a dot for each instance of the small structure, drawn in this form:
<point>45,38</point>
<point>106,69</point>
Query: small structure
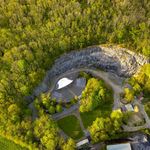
<point>125,146</point>
<point>129,107</point>
<point>83,144</point>
<point>63,83</point>
<point>136,108</point>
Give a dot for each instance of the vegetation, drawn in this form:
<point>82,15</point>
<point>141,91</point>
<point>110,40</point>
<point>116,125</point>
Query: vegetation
<point>70,145</point>
<point>128,95</point>
<point>70,125</point>
<point>46,130</point>
<point>106,128</point>
<point>9,145</point>
<point>141,81</point>
<point>34,33</point>
<point>100,111</point>
<point>85,75</point>
<point>95,94</point>
<point>47,103</point>
<point>147,108</point>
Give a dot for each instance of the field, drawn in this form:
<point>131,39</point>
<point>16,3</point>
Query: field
<point>9,145</point>
<point>147,106</point>
<point>101,111</point>
<point>70,125</point>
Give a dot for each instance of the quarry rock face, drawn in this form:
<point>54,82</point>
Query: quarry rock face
<point>112,59</point>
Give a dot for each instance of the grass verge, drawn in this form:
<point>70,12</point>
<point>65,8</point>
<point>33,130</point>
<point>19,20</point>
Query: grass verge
<point>71,126</point>
<point>9,145</point>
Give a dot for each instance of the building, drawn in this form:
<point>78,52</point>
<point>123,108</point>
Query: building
<point>125,146</point>
<point>83,144</point>
<point>127,107</point>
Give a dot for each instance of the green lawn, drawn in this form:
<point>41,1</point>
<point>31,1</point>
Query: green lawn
<point>147,108</point>
<point>101,111</point>
<point>9,145</point>
<point>70,125</point>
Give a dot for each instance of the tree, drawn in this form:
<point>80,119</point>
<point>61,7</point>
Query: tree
<point>69,145</point>
<point>58,108</point>
<point>47,131</point>
<point>94,95</point>
<point>51,109</point>
<point>106,128</point>
<point>129,94</point>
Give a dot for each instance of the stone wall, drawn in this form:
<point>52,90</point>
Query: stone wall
<point>117,60</point>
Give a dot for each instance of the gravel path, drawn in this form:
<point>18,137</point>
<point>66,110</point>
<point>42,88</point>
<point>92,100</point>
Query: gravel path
<point>146,117</point>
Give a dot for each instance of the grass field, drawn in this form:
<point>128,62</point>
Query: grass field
<point>9,145</point>
<point>101,111</point>
<point>70,125</point>
<point>147,106</point>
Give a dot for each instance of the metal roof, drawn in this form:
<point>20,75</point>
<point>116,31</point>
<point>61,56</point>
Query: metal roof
<point>85,141</point>
<point>119,147</point>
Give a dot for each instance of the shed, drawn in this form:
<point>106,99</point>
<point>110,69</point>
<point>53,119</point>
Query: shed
<point>129,107</point>
<point>82,143</point>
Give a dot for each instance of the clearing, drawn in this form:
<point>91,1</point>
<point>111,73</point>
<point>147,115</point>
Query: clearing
<point>70,125</point>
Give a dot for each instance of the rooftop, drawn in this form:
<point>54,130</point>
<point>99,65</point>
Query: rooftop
<point>119,147</point>
<point>85,141</point>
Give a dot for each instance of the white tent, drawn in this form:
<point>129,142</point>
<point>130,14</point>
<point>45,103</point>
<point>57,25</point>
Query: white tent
<point>63,83</point>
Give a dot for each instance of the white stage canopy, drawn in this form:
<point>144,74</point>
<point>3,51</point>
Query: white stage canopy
<point>63,83</point>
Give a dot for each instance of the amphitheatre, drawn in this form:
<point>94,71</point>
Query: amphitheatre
<point>111,64</point>
<point>119,61</point>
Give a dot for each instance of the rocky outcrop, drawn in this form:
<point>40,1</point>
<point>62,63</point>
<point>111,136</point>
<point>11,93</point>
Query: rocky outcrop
<point>117,60</point>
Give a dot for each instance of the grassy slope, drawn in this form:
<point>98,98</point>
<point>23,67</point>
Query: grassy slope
<point>9,145</point>
<point>101,111</point>
<point>70,125</point>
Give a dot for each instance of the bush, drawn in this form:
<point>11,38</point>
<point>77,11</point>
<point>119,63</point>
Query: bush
<point>128,94</point>
<point>96,93</point>
<point>85,75</point>
<point>59,108</point>
<point>51,109</point>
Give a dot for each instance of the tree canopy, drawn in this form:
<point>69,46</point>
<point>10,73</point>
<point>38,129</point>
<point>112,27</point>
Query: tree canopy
<point>95,93</point>
<point>34,33</point>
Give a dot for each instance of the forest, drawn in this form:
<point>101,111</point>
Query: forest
<point>33,33</point>
<point>95,94</point>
